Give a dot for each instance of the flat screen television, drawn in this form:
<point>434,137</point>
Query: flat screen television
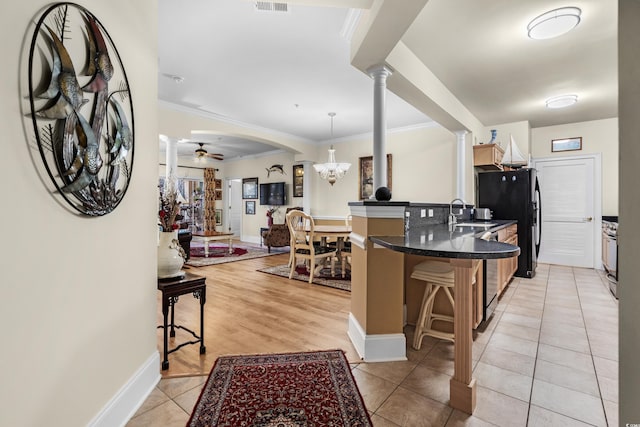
<point>273,194</point>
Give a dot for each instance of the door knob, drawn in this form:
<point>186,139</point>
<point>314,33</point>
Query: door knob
<point>589,219</point>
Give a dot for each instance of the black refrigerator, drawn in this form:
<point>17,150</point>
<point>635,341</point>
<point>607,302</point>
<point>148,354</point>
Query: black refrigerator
<point>515,195</point>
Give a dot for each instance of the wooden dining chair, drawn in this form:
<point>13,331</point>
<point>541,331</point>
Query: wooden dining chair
<point>345,253</point>
<point>298,208</point>
<point>303,247</point>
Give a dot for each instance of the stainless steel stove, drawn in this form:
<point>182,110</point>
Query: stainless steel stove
<point>610,253</point>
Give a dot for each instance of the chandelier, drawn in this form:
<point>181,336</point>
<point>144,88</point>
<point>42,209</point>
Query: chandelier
<point>332,171</point>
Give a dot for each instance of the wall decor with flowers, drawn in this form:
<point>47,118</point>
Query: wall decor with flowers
<point>80,109</point>
<point>270,212</point>
<point>169,212</point>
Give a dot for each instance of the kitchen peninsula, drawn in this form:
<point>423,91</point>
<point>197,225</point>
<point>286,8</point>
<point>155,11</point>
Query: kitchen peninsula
<point>381,239</point>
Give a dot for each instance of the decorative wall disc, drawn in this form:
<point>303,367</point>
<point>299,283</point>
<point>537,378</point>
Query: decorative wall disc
<point>81,109</point>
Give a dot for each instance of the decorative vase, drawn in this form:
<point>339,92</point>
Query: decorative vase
<point>269,221</point>
<point>170,259</point>
<point>494,134</point>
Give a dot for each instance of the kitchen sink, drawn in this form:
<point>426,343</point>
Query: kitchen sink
<point>476,224</point>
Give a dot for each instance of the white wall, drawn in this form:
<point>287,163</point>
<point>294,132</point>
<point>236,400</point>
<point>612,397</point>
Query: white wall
<point>598,136</point>
<point>78,304</point>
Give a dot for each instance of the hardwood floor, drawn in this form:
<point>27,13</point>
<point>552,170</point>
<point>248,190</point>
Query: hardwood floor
<point>249,312</point>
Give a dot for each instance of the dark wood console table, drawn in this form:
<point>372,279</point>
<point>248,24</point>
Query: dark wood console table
<point>171,289</point>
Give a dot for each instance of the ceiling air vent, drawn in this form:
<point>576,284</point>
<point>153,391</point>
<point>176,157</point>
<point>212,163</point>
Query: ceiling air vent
<point>270,6</point>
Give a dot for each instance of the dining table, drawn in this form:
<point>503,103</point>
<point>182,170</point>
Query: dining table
<point>339,232</point>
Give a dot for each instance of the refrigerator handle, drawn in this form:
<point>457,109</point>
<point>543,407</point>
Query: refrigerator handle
<point>538,216</point>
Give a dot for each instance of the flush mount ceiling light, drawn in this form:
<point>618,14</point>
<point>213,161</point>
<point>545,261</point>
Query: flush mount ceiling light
<point>561,101</point>
<point>332,171</point>
<point>554,23</point>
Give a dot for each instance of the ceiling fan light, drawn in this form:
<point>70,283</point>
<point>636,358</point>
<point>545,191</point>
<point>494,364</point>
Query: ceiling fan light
<point>561,101</point>
<point>554,23</point>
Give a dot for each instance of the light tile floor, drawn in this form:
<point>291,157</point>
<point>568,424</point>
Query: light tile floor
<point>549,357</point>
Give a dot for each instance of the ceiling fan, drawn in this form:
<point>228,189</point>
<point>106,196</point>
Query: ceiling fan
<point>201,152</point>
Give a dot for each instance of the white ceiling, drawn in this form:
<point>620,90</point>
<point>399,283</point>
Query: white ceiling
<point>480,50</point>
<point>285,72</point>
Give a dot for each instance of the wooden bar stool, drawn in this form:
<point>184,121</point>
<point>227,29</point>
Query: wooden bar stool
<point>437,276</point>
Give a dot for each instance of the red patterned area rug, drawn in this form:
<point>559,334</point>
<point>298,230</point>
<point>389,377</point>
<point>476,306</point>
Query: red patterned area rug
<point>216,251</point>
<point>324,278</point>
<point>219,254</point>
<point>291,389</point>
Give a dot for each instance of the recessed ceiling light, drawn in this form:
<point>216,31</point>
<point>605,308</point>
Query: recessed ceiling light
<point>561,101</point>
<point>174,77</point>
<point>554,23</point>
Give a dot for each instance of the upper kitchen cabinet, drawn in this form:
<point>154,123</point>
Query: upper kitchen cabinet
<point>487,156</point>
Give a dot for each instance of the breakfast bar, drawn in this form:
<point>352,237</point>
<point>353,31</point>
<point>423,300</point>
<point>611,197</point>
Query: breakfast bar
<point>380,239</point>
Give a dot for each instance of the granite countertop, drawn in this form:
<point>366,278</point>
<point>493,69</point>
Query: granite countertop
<point>463,242</point>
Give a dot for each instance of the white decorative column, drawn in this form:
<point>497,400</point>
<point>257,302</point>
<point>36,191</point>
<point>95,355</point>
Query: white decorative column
<point>461,160</point>
<point>379,74</point>
<point>171,162</point>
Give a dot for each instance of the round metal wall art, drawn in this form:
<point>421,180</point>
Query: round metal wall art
<point>81,109</point>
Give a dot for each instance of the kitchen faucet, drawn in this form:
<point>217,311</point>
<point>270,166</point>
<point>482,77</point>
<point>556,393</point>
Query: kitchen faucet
<point>452,218</point>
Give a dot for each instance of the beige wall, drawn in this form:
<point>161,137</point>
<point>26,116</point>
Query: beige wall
<point>423,170</point>
<point>520,131</point>
<point>257,167</point>
<point>78,304</point>
<point>598,136</point>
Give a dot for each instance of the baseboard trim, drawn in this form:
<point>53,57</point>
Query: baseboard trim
<point>124,404</point>
<point>377,347</point>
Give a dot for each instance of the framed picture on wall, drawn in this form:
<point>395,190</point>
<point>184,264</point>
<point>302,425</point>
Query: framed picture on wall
<point>218,194</point>
<point>566,144</point>
<point>298,180</point>
<point>250,188</point>
<point>218,216</point>
<point>366,176</point>
<point>250,207</point>
<point>218,184</point>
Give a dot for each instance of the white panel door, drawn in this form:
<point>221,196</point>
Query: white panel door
<point>567,194</point>
<point>235,207</point>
